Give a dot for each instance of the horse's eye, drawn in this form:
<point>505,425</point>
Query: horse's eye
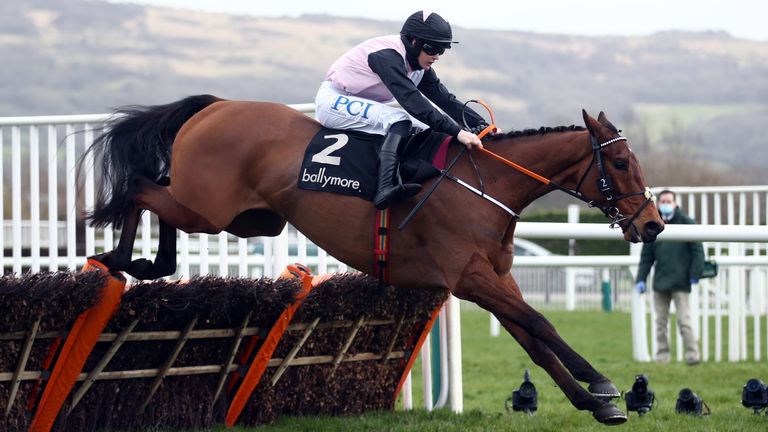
<point>620,164</point>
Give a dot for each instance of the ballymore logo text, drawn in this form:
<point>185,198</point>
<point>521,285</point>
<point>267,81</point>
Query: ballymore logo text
<point>324,180</point>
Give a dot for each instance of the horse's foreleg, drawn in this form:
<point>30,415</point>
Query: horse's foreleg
<point>501,296</point>
<point>544,357</point>
<point>602,410</point>
<point>599,385</point>
<point>579,367</point>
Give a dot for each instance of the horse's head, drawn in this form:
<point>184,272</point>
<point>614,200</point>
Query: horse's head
<point>615,183</point>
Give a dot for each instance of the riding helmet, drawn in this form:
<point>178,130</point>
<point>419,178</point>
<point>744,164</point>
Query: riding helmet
<point>432,28</point>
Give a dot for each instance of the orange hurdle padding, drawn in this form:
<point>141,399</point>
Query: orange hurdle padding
<point>46,366</point>
<point>416,349</point>
<point>77,347</point>
<point>294,271</point>
<point>242,358</point>
<point>260,362</point>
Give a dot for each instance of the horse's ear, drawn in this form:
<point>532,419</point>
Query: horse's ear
<point>605,122</point>
<point>592,124</point>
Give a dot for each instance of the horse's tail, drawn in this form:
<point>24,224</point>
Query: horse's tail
<point>137,142</point>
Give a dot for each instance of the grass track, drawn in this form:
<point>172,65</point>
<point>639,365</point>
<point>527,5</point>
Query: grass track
<point>493,367</point>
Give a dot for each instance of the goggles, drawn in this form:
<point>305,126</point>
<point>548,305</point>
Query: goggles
<point>432,49</point>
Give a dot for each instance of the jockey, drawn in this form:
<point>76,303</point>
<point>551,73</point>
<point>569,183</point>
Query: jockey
<point>358,86</point>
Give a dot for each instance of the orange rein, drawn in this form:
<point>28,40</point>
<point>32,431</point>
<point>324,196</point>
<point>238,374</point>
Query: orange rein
<point>492,127</point>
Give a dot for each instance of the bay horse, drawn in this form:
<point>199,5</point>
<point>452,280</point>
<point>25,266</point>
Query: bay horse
<point>206,165</point>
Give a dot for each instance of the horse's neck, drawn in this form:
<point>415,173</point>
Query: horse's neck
<point>558,156</point>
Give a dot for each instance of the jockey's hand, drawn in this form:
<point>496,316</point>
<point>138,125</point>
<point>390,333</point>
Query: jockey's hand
<point>469,139</point>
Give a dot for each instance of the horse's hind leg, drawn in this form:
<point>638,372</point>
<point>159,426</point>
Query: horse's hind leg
<point>120,258</point>
<point>172,215</point>
<point>156,198</point>
<point>165,260</point>
<point>501,296</point>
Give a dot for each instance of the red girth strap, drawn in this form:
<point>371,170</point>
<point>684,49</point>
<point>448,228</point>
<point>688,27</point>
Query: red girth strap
<point>381,245</point>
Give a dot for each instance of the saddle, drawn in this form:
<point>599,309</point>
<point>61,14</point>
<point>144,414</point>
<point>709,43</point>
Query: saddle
<point>345,162</point>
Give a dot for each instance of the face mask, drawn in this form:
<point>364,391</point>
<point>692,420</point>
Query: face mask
<point>666,209</point>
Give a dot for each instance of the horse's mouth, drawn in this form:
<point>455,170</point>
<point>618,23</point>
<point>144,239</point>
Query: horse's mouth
<point>631,233</point>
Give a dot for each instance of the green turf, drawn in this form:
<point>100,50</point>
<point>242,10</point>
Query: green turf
<point>493,367</point>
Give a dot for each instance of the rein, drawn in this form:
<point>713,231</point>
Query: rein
<point>604,183</point>
<point>446,173</point>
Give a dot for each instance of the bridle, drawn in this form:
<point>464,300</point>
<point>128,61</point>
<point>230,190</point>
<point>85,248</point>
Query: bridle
<point>605,185</point>
<point>604,182</point>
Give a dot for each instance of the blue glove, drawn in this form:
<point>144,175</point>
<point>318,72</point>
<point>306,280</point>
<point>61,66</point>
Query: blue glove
<point>641,287</point>
<point>694,281</point>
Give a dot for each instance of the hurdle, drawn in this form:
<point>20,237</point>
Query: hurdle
<point>203,352</point>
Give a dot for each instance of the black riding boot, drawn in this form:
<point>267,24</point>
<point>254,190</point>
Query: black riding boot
<point>389,189</point>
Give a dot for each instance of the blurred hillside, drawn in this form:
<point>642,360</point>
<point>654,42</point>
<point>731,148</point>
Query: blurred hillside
<point>700,97</point>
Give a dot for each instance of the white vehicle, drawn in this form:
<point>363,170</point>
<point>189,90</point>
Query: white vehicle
<point>544,287</point>
<point>525,247</point>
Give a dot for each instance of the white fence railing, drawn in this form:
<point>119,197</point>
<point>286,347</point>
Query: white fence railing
<point>737,299</point>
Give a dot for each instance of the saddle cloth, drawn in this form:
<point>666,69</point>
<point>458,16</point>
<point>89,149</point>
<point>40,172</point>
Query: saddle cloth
<point>346,162</point>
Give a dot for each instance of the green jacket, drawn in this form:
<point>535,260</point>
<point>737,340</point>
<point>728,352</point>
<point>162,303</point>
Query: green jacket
<point>676,262</point>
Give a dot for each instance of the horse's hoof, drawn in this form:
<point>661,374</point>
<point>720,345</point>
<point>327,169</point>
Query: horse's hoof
<point>141,269</point>
<point>604,390</point>
<point>105,259</point>
<point>609,414</point>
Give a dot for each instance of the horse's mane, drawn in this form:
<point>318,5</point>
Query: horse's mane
<point>540,131</point>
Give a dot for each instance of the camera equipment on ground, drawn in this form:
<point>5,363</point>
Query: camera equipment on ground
<point>525,398</point>
<point>689,402</point>
<point>640,398</point>
<point>755,395</point>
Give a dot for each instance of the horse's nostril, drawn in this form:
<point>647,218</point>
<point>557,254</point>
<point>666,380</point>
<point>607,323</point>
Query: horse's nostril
<point>652,229</point>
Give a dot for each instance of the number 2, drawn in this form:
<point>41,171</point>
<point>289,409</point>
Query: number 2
<point>324,157</point>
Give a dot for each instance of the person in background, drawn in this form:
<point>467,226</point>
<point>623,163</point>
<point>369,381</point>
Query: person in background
<point>359,85</point>
<point>678,266</point>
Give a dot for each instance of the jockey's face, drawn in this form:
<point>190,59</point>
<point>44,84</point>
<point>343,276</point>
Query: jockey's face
<point>426,60</point>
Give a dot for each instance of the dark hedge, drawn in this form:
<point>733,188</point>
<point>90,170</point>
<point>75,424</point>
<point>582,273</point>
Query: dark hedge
<point>184,401</point>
